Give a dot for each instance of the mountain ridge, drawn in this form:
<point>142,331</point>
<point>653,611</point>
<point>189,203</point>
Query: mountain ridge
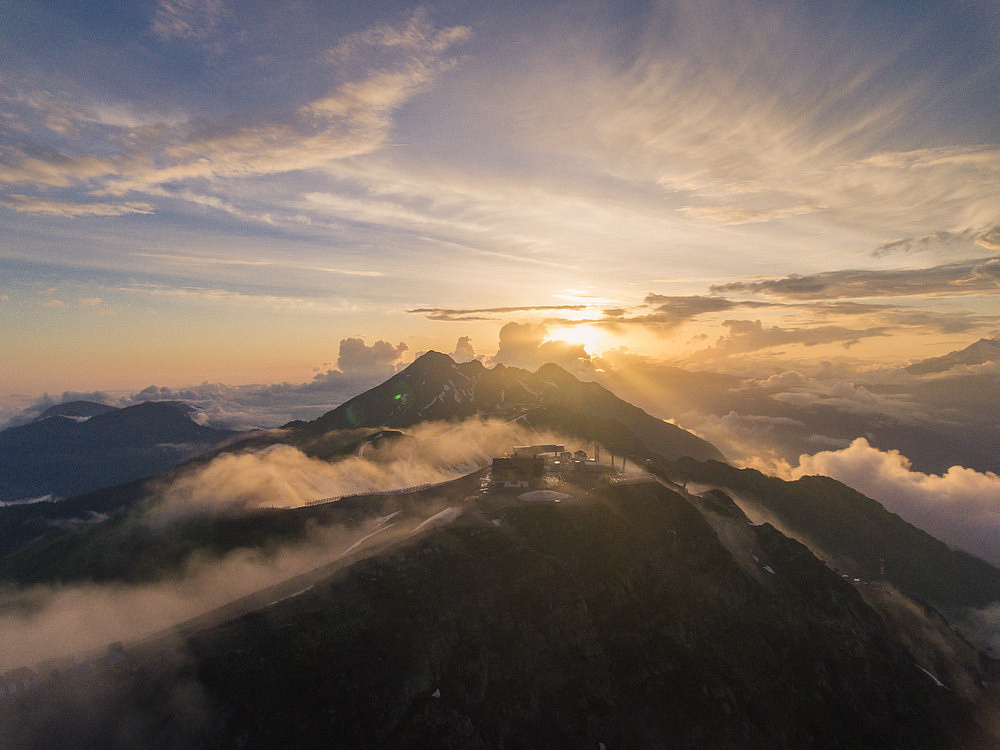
<point>976,353</point>
<point>84,448</point>
<point>435,387</point>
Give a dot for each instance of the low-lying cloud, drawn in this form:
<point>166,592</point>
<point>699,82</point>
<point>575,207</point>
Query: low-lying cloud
<point>960,507</point>
<point>58,621</point>
<point>359,366</point>
<point>41,622</point>
<point>283,476</point>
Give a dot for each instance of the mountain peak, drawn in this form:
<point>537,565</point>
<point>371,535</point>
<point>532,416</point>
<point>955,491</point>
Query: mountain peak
<point>78,410</point>
<point>552,371</point>
<point>432,357</point>
<point>429,362</point>
<point>435,388</point>
<point>980,352</point>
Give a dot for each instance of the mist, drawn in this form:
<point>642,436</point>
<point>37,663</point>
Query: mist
<point>283,476</point>
<point>52,621</point>
<point>58,621</point>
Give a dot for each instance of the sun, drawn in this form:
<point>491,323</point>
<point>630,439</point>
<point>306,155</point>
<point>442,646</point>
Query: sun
<point>592,338</point>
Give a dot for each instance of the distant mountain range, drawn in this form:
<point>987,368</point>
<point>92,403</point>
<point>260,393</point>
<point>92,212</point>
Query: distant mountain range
<point>982,351</point>
<point>80,446</point>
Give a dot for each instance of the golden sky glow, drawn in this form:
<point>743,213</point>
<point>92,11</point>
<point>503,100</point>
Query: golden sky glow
<point>213,191</point>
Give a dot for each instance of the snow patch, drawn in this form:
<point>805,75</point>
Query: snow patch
<point>383,520</point>
<point>936,680</point>
<point>445,516</point>
<point>31,500</point>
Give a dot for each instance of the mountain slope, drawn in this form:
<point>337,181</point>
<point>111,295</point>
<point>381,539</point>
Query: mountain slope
<point>620,620</point>
<point>434,387</point>
<point>853,532</point>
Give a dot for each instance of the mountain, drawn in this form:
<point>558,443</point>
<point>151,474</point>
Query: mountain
<point>79,410</point>
<point>82,446</point>
<point>982,351</point>
<point>696,605</point>
<point>853,533</point>
<point>633,617</point>
<point>434,387</point>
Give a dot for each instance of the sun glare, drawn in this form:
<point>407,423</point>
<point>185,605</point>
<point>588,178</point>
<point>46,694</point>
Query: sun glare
<point>594,339</point>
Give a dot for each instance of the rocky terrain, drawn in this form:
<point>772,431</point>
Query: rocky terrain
<point>627,617</point>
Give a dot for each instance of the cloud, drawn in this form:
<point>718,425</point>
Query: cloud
<point>181,259</point>
<point>988,270</point>
<point>960,507</point>
<point>41,622</point>
<point>70,209</point>
<point>990,240</point>
<point>60,621</point>
<point>964,277</point>
<point>487,313</point>
<point>463,350</point>
<point>732,215</point>
<point>239,298</point>
<point>357,357</point>
<point>751,335</point>
<point>245,407</point>
<point>942,238</point>
<point>90,301</point>
<point>526,345</point>
<point>688,307</point>
<point>284,476</point>
<point>842,395</point>
<point>676,310</point>
<point>746,439</point>
<point>417,34</point>
<point>351,118</point>
<point>186,19</point>
<point>772,114</point>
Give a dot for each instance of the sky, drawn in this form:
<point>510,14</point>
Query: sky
<point>211,191</point>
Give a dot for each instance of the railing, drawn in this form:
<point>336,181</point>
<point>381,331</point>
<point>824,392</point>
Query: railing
<point>386,493</point>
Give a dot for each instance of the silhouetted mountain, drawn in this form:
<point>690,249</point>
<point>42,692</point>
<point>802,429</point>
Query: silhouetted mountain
<point>82,446</point>
<point>630,618</point>
<point>75,410</point>
<point>434,387</point>
<point>984,350</point>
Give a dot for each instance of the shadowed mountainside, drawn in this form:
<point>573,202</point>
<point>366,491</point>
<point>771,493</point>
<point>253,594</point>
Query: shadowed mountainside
<point>75,448</point>
<point>434,387</point>
<point>621,619</point>
<point>853,532</point>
